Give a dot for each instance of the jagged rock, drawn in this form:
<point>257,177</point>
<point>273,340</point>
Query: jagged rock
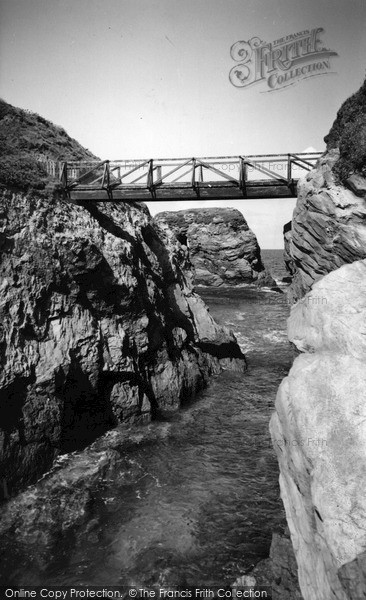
<point>222,248</point>
<point>328,227</point>
<point>353,577</point>
<point>98,326</point>
<point>287,236</point>
<point>319,433</point>
<point>66,499</point>
<point>318,429</point>
<point>279,571</point>
<point>68,502</point>
<point>244,580</point>
<point>357,184</point>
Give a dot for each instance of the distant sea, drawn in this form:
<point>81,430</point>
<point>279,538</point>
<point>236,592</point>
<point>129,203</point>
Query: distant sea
<point>273,260</point>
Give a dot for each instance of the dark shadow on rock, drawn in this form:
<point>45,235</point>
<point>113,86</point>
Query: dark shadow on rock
<point>353,577</point>
<point>86,414</point>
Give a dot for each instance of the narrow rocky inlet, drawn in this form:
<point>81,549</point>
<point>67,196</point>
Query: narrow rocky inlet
<point>189,498</point>
<point>104,339</point>
<point>140,440</point>
<point>100,326</point>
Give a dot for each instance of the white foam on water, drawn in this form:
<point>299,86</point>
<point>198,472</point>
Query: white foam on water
<point>275,337</point>
<point>245,343</point>
<point>240,316</point>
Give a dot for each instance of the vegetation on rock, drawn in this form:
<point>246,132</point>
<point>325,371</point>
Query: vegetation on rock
<point>27,140</point>
<point>348,133</point>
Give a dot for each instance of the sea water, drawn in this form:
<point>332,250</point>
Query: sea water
<point>198,504</point>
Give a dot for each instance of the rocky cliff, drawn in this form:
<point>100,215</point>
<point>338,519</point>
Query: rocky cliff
<point>318,428</point>
<point>319,434</point>
<point>99,325</point>
<point>223,250</point>
<point>98,322</point>
<point>328,225</point>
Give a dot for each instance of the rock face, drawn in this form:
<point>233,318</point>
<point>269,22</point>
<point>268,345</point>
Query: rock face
<point>98,326</point>
<point>319,433</point>
<point>222,248</point>
<point>318,429</point>
<point>63,509</point>
<point>287,237</point>
<point>328,225</point>
<point>279,570</point>
<point>328,228</point>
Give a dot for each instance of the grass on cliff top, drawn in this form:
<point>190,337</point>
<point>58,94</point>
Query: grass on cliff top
<point>26,139</point>
<point>348,132</point>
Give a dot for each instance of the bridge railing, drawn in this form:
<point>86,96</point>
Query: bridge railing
<point>151,174</point>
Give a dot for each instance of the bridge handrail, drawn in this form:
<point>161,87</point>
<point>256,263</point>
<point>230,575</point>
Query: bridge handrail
<point>229,159</point>
<point>110,177</point>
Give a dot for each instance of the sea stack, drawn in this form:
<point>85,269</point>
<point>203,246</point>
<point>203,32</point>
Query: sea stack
<point>222,248</point>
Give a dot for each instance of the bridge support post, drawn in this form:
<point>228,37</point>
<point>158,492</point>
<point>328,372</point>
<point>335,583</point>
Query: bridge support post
<point>290,181</point>
<point>195,186</point>
<point>150,180</point>
<point>289,169</point>
<point>243,175</point>
<point>106,181</point>
<point>63,179</point>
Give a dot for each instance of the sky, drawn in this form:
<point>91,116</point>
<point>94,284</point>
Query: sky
<point>134,79</point>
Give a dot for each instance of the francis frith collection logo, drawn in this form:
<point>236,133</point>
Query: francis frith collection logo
<point>282,62</point>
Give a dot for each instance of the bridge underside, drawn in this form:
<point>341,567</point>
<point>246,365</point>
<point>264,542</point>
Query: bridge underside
<point>203,191</point>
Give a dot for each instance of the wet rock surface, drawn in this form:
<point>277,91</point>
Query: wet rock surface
<point>99,326</point>
<point>65,507</point>
<point>279,571</point>
<point>222,248</point>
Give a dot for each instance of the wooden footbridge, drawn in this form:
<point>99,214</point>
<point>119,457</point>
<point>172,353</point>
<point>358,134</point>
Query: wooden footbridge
<point>224,177</point>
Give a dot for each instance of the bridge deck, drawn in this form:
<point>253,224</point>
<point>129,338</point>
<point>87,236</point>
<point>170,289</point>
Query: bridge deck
<point>208,191</point>
<point>184,179</point>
